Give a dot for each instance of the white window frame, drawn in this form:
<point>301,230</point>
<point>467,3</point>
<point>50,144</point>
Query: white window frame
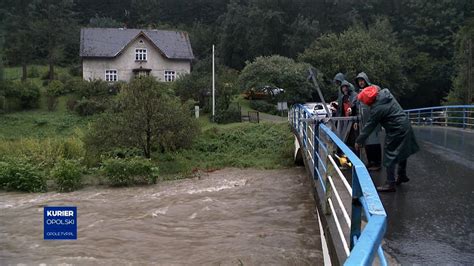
<point>140,54</point>
<point>170,75</point>
<point>111,75</point>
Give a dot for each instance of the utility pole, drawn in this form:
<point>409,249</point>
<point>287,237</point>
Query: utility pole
<point>213,86</point>
<point>469,72</point>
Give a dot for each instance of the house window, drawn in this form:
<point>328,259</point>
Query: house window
<point>140,54</point>
<point>170,75</point>
<point>111,75</point>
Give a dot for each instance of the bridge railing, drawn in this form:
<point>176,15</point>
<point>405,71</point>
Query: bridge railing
<point>342,206</point>
<point>461,116</point>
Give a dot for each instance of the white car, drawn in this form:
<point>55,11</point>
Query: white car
<point>317,109</point>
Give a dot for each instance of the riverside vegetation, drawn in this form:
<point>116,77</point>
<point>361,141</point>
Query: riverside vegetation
<point>65,149</point>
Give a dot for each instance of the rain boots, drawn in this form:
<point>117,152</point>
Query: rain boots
<point>387,187</point>
<point>402,179</point>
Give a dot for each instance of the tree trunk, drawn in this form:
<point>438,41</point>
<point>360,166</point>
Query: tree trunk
<point>51,70</point>
<point>24,72</point>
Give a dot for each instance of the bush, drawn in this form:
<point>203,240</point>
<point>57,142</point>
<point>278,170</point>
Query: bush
<point>94,88</point>
<point>131,171</point>
<point>28,93</point>
<point>64,77</point>
<point>263,106</point>
<point>54,89</point>
<point>67,175</point>
<point>124,153</point>
<point>34,72</point>
<point>21,175</point>
<point>71,104</point>
<point>87,107</point>
<point>45,75</point>
<point>230,115</point>
<point>74,84</point>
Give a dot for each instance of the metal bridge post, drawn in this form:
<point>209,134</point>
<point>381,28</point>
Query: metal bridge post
<point>305,140</point>
<point>446,118</point>
<point>356,216</point>
<point>419,114</point>
<point>464,118</point>
<point>327,184</point>
<point>316,149</point>
<point>431,117</point>
<point>298,121</point>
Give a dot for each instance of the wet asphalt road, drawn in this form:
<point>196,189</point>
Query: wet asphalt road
<point>431,218</point>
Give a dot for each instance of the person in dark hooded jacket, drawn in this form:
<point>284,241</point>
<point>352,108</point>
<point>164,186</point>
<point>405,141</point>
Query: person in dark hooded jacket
<point>347,106</point>
<point>347,102</point>
<point>372,146</point>
<point>339,78</point>
<point>400,141</point>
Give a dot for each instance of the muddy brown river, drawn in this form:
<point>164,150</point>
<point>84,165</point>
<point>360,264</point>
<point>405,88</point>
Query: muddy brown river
<point>228,217</point>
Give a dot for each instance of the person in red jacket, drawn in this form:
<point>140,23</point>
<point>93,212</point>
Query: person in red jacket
<point>400,141</point>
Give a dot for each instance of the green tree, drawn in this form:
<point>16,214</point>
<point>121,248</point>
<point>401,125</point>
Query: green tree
<point>374,51</point>
<point>303,32</point>
<point>147,116</point>
<point>19,39</point>
<point>103,22</point>
<point>2,46</point>
<point>278,71</point>
<point>197,85</point>
<point>427,30</point>
<point>463,80</point>
<point>53,24</point>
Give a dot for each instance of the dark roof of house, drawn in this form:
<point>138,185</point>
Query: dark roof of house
<point>110,42</point>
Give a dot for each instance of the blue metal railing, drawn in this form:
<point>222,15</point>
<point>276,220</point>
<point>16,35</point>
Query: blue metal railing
<point>353,246</point>
<point>461,116</point>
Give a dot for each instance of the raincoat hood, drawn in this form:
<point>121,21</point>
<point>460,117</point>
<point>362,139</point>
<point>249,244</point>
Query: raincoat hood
<point>346,83</point>
<point>339,77</point>
<point>384,96</point>
<point>368,95</point>
<point>363,76</point>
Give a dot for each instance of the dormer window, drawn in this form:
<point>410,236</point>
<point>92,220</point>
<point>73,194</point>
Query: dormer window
<point>140,54</point>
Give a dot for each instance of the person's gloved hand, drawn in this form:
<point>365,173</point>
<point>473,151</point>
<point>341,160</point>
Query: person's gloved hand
<point>357,146</point>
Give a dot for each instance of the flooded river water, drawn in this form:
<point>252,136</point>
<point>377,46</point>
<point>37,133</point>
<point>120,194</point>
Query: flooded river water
<point>229,217</point>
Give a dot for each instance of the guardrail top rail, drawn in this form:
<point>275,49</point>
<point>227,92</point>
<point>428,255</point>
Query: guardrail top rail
<point>366,242</point>
<point>450,115</point>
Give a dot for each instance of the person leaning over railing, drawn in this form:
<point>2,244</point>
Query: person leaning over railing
<point>400,141</point>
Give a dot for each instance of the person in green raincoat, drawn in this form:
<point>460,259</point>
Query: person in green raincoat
<point>372,146</point>
<point>400,141</point>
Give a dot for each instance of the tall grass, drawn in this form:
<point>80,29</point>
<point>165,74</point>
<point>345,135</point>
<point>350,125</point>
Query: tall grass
<point>265,146</point>
<point>43,152</point>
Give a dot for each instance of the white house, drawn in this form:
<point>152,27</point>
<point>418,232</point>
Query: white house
<point>120,54</point>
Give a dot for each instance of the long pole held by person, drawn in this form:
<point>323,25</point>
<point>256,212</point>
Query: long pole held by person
<point>213,86</point>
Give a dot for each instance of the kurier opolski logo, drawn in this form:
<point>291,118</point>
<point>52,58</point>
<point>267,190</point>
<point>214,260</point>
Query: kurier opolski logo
<point>60,223</point>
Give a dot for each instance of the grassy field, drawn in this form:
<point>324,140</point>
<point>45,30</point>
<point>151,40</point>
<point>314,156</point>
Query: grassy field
<point>40,124</point>
<point>35,72</point>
